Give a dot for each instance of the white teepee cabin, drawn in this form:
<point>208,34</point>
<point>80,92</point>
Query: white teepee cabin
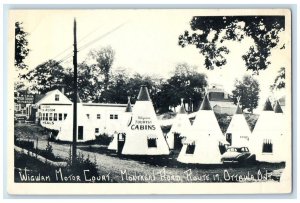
<point>179,128</point>
<point>85,131</point>
<point>113,145</point>
<point>268,135</point>
<point>143,133</point>
<point>203,142</point>
<point>238,133</point>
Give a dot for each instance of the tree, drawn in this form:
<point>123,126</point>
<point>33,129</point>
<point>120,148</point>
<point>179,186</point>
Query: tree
<point>46,76</point>
<point>248,90</point>
<point>104,59</point>
<point>186,83</point>
<point>212,31</point>
<point>87,79</point>
<point>21,46</point>
<point>118,90</point>
<point>279,81</point>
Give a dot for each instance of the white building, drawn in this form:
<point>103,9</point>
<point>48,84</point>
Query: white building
<point>143,134</point>
<point>181,125</point>
<point>55,112</point>
<point>268,137</point>
<point>113,145</point>
<point>238,133</point>
<point>202,145</point>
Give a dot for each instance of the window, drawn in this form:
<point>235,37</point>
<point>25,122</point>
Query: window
<point>57,97</point>
<point>96,130</point>
<point>113,116</point>
<point>43,116</point>
<point>267,146</point>
<point>152,142</point>
<point>190,149</point>
<point>46,116</point>
<point>98,116</point>
<point>50,116</point>
<point>55,116</point>
<point>65,116</point>
<point>60,116</point>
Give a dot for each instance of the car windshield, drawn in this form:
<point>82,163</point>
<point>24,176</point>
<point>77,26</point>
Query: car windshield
<point>242,149</point>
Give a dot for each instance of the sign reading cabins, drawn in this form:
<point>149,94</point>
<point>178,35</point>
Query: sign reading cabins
<point>143,123</point>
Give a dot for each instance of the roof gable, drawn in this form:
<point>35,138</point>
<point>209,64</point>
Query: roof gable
<point>49,98</point>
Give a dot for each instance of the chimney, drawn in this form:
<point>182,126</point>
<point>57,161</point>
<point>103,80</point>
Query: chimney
<point>63,90</point>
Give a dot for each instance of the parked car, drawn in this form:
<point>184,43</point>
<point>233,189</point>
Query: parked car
<point>238,155</point>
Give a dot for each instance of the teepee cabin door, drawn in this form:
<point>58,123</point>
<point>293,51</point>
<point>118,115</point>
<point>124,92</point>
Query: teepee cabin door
<point>177,141</point>
<point>80,132</point>
<point>229,138</point>
<point>121,142</point>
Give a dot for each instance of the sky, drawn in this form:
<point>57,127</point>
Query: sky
<point>145,41</point>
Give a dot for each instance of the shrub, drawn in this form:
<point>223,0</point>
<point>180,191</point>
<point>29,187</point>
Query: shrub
<point>103,139</point>
<point>81,164</point>
<point>25,144</point>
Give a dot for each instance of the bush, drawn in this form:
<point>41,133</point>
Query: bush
<point>25,144</point>
<point>48,153</point>
<point>82,164</point>
<point>103,139</point>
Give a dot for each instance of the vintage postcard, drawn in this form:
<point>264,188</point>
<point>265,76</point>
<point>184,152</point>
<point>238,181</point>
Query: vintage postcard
<point>150,101</point>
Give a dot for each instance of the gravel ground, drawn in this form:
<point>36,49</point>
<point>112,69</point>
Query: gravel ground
<point>147,169</point>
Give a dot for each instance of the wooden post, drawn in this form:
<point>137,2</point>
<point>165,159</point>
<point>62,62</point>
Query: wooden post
<point>74,147</point>
<point>36,150</point>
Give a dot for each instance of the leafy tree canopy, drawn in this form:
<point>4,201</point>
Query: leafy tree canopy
<point>248,90</point>
<point>46,76</point>
<point>186,83</point>
<point>210,33</point>
<point>279,81</point>
<point>104,59</point>
<point>21,46</point>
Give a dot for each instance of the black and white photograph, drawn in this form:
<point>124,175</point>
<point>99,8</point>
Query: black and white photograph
<point>175,101</point>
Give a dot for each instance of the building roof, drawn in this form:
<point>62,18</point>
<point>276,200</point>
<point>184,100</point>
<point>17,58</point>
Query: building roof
<point>104,104</point>
<point>49,98</point>
<point>38,97</point>
<point>223,104</point>
<point>143,94</point>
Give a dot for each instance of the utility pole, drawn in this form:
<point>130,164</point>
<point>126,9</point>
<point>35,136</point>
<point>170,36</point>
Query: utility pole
<point>74,147</point>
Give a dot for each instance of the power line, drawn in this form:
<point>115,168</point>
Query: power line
<point>80,40</point>
<point>91,42</point>
<point>102,36</point>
